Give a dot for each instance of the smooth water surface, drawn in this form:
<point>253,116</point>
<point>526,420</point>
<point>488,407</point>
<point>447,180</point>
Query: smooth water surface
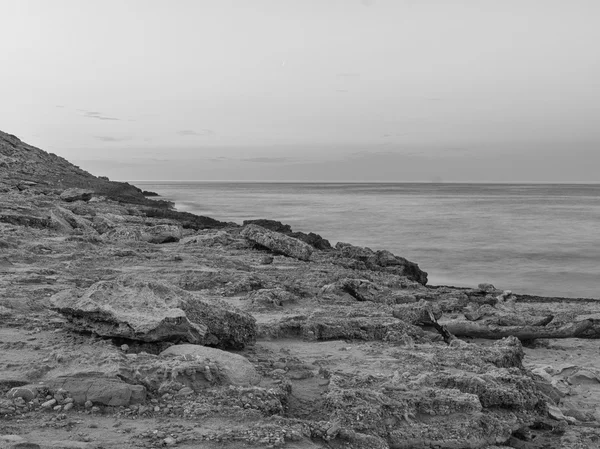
<point>536,239</point>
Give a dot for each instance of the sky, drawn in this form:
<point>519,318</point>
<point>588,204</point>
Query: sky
<point>307,90</point>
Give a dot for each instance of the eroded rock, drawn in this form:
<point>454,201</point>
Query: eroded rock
<point>75,194</point>
<point>277,242</point>
<point>149,311</point>
<point>231,369</point>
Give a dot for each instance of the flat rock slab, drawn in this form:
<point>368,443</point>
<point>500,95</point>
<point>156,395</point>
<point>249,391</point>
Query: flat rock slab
<point>98,390</point>
<point>74,194</point>
<point>277,242</point>
<point>144,310</point>
<point>233,369</point>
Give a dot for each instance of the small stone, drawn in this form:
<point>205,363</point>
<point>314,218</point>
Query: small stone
<point>266,260</point>
<point>169,441</point>
<point>555,413</point>
<point>124,348</point>
<point>49,403</point>
<point>88,404</point>
<point>21,392</point>
<point>185,391</point>
<point>68,406</point>
<point>57,408</point>
<point>95,409</point>
<point>157,409</point>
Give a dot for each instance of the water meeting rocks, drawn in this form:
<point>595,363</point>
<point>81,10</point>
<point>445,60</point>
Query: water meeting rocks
<point>149,311</point>
<point>277,242</point>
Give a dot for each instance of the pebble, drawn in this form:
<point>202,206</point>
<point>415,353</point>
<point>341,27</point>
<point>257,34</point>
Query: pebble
<point>88,404</point>
<point>68,406</point>
<point>185,391</point>
<point>49,403</point>
<point>170,441</point>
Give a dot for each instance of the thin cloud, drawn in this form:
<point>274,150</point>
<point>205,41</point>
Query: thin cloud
<point>201,133</point>
<point>267,160</point>
<point>112,139</point>
<point>96,115</point>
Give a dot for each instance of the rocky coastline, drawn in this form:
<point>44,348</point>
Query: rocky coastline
<point>125,323</point>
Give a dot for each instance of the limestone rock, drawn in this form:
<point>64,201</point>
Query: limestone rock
<point>277,242</point>
<point>76,194</point>
<point>270,298</point>
<point>314,240</point>
<point>150,311</point>
<point>232,369</point>
<point>68,218</point>
<point>162,233</point>
<point>359,289</point>
<point>98,390</point>
<point>357,257</point>
<point>152,234</point>
<point>271,225</point>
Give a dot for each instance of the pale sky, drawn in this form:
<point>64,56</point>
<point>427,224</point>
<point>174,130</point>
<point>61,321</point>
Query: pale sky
<point>371,90</point>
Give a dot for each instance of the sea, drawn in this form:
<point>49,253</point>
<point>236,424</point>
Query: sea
<point>537,239</point>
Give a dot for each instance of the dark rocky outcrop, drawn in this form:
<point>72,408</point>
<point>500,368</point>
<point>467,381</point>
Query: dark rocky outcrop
<point>314,240</point>
<point>74,194</point>
<point>357,257</point>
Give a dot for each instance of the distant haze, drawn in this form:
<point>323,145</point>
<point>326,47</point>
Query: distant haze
<point>371,90</point>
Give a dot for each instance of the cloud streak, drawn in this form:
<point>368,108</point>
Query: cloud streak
<point>112,139</point>
<point>267,160</point>
<point>96,115</point>
<point>201,133</point>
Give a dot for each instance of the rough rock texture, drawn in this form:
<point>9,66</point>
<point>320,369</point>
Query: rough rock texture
<point>277,242</point>
<point>232,369</point>
<point>153,311</point>
<point>346,351</point>
<point>357,257</point>
<point>74,194</point>
<point>314,240</point>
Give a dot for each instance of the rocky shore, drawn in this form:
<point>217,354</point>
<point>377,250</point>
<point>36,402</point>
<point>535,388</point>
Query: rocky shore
<point>125,323</point>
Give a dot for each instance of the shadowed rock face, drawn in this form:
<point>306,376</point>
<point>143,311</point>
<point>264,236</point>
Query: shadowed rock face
<point>153,311</point>
<point>314,240</point>
<point>277,242</point>
<point>357,257</point>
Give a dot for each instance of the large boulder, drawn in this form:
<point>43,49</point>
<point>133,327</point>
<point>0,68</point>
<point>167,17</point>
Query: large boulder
<point>358,257</point>
<point>151,311</point>
<point>277,242</point>
<point>314,240</point>
<point>231,369</point>
<point>75,194</point>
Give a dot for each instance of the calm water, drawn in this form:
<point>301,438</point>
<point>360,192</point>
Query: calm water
<point>536,239</point>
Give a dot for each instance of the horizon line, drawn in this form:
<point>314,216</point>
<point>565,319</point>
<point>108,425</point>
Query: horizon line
<point>361,182</point>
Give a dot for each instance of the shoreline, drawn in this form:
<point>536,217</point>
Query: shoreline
<point>444,280</point>
<point>124,324</point>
